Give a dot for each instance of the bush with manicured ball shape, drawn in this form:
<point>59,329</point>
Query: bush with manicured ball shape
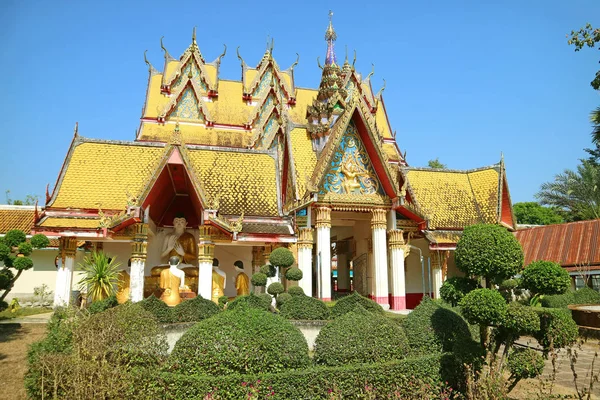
<point>524,363</point>
<point>484,307</point>
<point>304,308</point>
<point>557,329</point>
<point>158,308</point>
<point>545,277</point>
<point>268,270</point>
<point>293,274</point>
<point>261,302</point>
<point>194,310</point>
<point>348,303</point>
<point>4,251</point>
<point>296,291</point>
<point>25,248</point>
<point>521,320</point>
<point>281,257</point>
<point>22,263</point>
<point>6,277</point>
<point>259,279</point>
<point>489,251</point>
<point>282,298</point>
<point>275,288</point>
<point>455,288</point>
<point>14,238</point>
<point>39,241</point>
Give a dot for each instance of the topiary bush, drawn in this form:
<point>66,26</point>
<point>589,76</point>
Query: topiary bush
<point>524,363</point>
<point>360,336</point>
<point>484,307</point>
<point>558,300</point>
<point>282,298</point>
<point>162,312</point>
<point>275,288</point>
<point>105,304</point>
<point>586,295</point>
<point>282,257</point>
<point>348,303</point>
<point>194,310</point>
<point>243,341</point>
<point>252,300</point>
<point>557,329</point>
<point>259,279</point>
<point>304,308</point>
<point>269,270</point>
<point>296,291</point>
<point>479,244</point>
<point>223,301</point>
<point>455,288</point>
<point>293,274</point>
<point>545,277</point>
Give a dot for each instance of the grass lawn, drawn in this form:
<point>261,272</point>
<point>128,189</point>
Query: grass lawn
<point>14,342</point>
<point>23,312</point>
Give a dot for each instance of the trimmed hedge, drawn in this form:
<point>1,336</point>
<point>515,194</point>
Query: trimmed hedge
<point>360,336</point>
<point>296,291</point>
<point>557,328</point>
<point>455,288</point>
<point>245,340</point>
<point>252,300</point>
<point>275,288</point>
<point>196,309</point>
<point>525,363</point>
<point>282,298</point>
<point>586,295</point>
<point>158,308</point>
<point>484,307</point>
<point>304,308</point>
<point>348,303</point>
<point>259,279</point>
<point>105,304</point>
<point>401,377</point>
<point>545,277</point>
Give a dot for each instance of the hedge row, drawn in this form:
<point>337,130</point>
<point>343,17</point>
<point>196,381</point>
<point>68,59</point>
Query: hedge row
<point>404,377</point>
<point>192,310</point>
<point>581,296</point>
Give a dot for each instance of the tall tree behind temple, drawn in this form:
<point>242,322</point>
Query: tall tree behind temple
<point>436,164</point>
<point>533,213</point>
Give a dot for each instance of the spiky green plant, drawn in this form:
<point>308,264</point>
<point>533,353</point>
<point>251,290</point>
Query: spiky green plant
<point>101,275</point>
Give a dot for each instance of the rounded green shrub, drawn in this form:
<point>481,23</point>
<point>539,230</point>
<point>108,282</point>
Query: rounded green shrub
<point>557,328</point>
<point>558,300</point>
<point>282,298</point>
<point>223,301</point>
<point>252,300</point>
<point>103,305</point>
<point>22,263</point>
<point>586,295</point>
<point>266,297</point>
<point>275,288</point>
<point>304,308</point>
<point>14,238</point>
<point>25,248</point>
<point>4,251</point>
<point>243,341</point>
<point>545,277</point>
<point>521,320</point>
<point>162,312</point>
<point>282,257</point>
<point>348,303</point>
<point>194,310</point>
<point>479,244</point>
<point>296,291</point>
<point>360,336</point>
<point>293,274</point>
<point>39,241</point>
<point>259,279</point>
<point>484,307</point>
<point>432,328</point>
<point>6,277</point>
<point>525,363</point>
<point>3,305</point>
<point>455,288</point>
<point>269,270</point>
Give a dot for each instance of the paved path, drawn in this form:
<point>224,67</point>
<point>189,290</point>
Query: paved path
<point>29,319</point>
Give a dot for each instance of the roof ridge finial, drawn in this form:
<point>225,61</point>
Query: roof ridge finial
<point>330,37</point>
<point>76,130</point>
<point>194,36</point>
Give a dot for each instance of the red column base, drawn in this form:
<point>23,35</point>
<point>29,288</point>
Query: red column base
<point>326,299</point>
<point>398,302</point>
<point>382,299</point>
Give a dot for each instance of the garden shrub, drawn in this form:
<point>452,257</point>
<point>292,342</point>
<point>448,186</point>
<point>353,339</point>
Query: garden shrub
<point>521,320</point>
<point>269,270</point>
<point>162,312</point>
<point>348,303</point>
<point>586,295</point>
<point>223,301</point>
<point>244,340</point>
<point>454,289</point>
<point>304,308</point>
<point>484,307</point>
<point>266,297</point>
<point>282,298</point>
<point>558,300</point>
<point>282,257</point>
<point>293,274</point>
<point>360,336</point>
<point>524,363</point>
<point>194,310</point>
<point>105,304</point>
<point>252,300</point>
<point>259,279</point>
<point>275,288</point>
<point>296,291</point>
<point>432,328</point>
<point>545,277</point>
<point>557,328</point>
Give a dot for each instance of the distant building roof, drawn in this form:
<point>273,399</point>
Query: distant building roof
<point>16,217</point>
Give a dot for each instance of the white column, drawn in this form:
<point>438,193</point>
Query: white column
<point>138,262</point>
<point>305,245</point>
<point>206,253</point>
<point>378,225</point>
<point>323,225</point>
<point>437,282</point>
<point>398,252</point>
<point>64,274</point>
<point>439,263</point>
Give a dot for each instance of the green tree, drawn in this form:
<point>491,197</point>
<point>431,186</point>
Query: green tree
<point>534,214</point>
<point>436,164</point>
<point>29,200</point>
<point>587,36</point>
<point>575,193</point>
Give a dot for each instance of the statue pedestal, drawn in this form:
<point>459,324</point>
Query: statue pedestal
<point>186,294</point>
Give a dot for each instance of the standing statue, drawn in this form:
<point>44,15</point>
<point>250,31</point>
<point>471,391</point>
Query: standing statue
<point>218,282</point>
<point>180,243</point>
<point>123,284</point>
<point>242,283</point>
<point>171,280</point>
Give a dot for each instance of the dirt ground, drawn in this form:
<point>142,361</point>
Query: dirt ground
<point>14,341</point>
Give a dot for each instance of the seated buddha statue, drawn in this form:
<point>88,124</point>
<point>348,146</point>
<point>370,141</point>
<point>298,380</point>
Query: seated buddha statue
<point>171,279</point>
<point>180,243</point>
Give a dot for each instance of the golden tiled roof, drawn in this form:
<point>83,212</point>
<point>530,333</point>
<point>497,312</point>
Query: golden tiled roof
<point>229,108</point>
<point>455,199</point>
<point>197,134</point>
<point>443,237</point>
<point>71,223</point>
<point>242,181</point>
<point>15,217</point>
<point>304,98</point>
<point>211,73</point>
<point>171,68</point>
<point>390,150</point>
<point>104,173</point>
<point>382,122</point>
<point>155,101</point>
<point>304,158</point>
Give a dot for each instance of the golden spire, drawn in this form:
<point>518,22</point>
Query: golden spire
<point>194,36</point>
<point>330,32</point>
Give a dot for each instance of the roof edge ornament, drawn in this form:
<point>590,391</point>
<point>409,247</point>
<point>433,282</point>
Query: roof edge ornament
<point>291,68</point>
<point>237,50</point>
<point>370,73</point>
<point>76,130</point>
<point>151,69</point>
<point>218,60</point>
<point>168,57</point>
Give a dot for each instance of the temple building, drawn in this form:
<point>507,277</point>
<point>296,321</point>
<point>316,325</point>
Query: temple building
<point>251,165</point>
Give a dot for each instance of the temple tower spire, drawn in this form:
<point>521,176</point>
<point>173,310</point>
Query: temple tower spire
<point>330,37</point>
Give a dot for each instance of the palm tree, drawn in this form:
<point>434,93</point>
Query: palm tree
<point>576,193</point>
<point>595,118</point>
<point>101,275</point>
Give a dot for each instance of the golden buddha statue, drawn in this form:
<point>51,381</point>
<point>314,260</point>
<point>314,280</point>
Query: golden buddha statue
<point>171,280</point>
<point>180,243</point>
<point>242,283</point>
<point>352,172</point>
<point>123,285</point>
<point>218,282</point>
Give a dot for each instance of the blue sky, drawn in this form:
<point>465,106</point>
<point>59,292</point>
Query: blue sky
<point>466,80</point>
